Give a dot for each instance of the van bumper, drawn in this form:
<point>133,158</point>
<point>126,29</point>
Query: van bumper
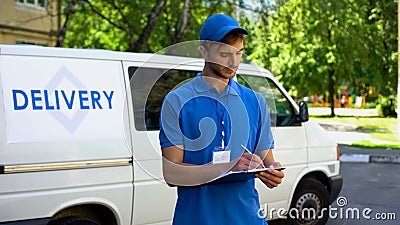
<point>335,183</point>
<point>27,222</point>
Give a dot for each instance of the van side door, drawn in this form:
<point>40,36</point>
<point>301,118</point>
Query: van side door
<point>290,139</point>
<point>154,200</point>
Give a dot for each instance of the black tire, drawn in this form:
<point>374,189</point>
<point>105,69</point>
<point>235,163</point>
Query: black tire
<point>310,204</point>
<point>73,220</point>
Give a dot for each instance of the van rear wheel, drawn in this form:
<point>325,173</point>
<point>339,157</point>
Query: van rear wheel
<point>310,203</point>
<point>73,220</point>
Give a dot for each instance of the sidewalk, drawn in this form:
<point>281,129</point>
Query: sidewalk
<point>351,154</point>
<point>319,111</point>
<point>346,134</point>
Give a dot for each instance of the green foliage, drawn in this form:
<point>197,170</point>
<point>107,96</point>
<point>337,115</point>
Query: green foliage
<point>387,106</point>
<point>316,41</point>
<point>311,46</point>
<point>370,105</point>
<point>369,144</point>
<point>119,24</point>
<point>314,46</point>
<point>89,30</point>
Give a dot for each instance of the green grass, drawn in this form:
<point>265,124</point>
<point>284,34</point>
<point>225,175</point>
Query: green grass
<point>368,144</point>
<point>380,128</point>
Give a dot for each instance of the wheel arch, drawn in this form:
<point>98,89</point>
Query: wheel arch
<point>99,212</point>
<point>318,174</point>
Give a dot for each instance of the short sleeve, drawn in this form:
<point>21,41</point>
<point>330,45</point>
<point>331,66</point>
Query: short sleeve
<point>170,132</point>
<point>265,139</point>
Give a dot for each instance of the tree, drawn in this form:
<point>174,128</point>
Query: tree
<point>137,26</point>
<point>68,17</point>
<point>383,23</point>
<point>108,21</point>
<point>317,45</point>
<point>384,33</point>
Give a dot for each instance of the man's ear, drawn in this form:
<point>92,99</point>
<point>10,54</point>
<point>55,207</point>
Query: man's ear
<point>204,52</point>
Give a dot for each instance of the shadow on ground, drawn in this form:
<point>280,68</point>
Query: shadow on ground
<point>339,127</point>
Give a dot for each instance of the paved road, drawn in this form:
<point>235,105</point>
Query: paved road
<point>369,188</point>
<point>372,187</point>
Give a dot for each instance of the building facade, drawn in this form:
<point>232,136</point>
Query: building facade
<point>30,21</point>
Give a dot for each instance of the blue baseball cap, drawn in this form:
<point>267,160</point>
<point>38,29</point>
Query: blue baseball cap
<point>217,26</point>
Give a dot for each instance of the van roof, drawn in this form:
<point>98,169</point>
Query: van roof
<point>101,54</point>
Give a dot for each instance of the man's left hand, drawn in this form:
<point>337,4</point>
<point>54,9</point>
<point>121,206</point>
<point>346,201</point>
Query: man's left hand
<point>271,178</point>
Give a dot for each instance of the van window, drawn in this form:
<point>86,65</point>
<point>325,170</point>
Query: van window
<point>280,109</point>
<point>149,86</point>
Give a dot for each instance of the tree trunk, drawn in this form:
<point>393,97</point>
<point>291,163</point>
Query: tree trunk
<point>331,91</point>
<point>331,80</point>
<point>182,25</point>
<point>63,31</point>
<point>151,21</point>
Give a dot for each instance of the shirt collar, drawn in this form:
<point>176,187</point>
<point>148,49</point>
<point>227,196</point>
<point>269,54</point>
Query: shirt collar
<point>201,86</point>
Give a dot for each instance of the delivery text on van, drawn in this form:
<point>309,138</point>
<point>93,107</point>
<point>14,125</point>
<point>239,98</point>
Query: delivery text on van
<point>62,99</point>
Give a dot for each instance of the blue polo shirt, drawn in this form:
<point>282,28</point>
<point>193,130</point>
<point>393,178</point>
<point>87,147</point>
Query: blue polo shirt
<point>192,116</point>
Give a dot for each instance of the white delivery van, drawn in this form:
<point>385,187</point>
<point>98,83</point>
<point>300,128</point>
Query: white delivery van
<point>79,139</point>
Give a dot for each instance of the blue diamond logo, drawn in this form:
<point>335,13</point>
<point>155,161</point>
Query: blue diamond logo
<point>70,124</point>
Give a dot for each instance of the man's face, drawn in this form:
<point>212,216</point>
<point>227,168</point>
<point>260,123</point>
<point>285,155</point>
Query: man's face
<point>224,59</point>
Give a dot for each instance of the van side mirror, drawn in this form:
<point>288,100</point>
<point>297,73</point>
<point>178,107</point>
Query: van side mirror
<point>303,114</point>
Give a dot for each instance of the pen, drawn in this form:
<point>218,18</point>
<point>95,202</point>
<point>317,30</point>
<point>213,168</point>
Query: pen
<point>248,151</point>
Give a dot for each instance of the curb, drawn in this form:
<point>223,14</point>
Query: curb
<point>366,155</point>
<point>365,158</point>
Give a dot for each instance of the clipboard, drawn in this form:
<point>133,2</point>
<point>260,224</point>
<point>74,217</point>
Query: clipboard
<point>237,176</point>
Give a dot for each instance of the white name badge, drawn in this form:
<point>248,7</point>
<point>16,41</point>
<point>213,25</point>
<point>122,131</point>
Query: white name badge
<point>221,157</point>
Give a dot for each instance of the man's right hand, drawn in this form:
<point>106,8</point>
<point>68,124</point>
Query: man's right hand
<point>248,161</point>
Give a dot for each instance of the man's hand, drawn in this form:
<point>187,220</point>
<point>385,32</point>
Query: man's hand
<point>248,161</point>
<point>271,178</point>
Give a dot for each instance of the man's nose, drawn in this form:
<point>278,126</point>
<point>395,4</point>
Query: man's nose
<point>233,61</point>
